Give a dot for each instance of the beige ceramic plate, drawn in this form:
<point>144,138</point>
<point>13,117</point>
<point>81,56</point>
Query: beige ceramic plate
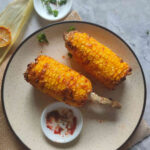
<point>103,128</point>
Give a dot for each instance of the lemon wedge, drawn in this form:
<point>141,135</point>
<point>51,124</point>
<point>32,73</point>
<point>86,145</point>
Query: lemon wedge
<point>14,17</point>
<point>5,36</point>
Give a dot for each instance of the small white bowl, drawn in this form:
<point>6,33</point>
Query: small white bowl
<point>41,10</point>
<point>56,137</point>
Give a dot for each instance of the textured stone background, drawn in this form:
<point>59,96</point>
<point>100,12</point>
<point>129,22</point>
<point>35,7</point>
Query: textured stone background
<point>130,19</point>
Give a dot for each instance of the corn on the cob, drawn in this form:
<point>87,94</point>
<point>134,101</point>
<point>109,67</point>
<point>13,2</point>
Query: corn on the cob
<point>97,59</point>
<point>62,83</point>
<point>58,81</point>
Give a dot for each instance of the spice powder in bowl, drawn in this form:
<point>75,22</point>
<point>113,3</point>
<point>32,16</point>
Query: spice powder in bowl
<point>61,123</point>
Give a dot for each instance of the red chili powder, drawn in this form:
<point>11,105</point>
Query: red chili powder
<point>63,120</point>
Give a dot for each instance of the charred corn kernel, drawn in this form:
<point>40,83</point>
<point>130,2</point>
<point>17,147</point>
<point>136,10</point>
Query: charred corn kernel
<point>58,81</point>
<point>97,59</point>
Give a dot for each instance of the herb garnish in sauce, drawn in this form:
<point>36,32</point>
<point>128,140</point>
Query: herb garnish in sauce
<point>49,9</point>
<point>55,13</point>
<point>55,2</point>
<point>62,2</point>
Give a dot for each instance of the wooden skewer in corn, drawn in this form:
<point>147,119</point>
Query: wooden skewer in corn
<point>63,83</point>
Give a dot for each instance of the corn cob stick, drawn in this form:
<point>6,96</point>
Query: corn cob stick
<point>62,83</point>
<point>98,60</point>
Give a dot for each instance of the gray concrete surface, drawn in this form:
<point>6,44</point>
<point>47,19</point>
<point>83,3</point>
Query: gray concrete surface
<point>130,19</point>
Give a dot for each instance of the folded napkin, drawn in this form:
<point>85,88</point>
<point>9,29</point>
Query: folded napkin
<point>8,140</point>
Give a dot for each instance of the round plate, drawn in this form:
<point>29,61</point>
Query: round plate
<point>58,138</point>
<point>104,128</point>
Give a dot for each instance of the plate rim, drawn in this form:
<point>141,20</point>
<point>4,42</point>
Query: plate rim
<point>65,22</point>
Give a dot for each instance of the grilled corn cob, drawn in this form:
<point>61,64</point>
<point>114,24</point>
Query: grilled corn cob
<point>97,59</point>
<point>62,83</point>
<point>58,81</point>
